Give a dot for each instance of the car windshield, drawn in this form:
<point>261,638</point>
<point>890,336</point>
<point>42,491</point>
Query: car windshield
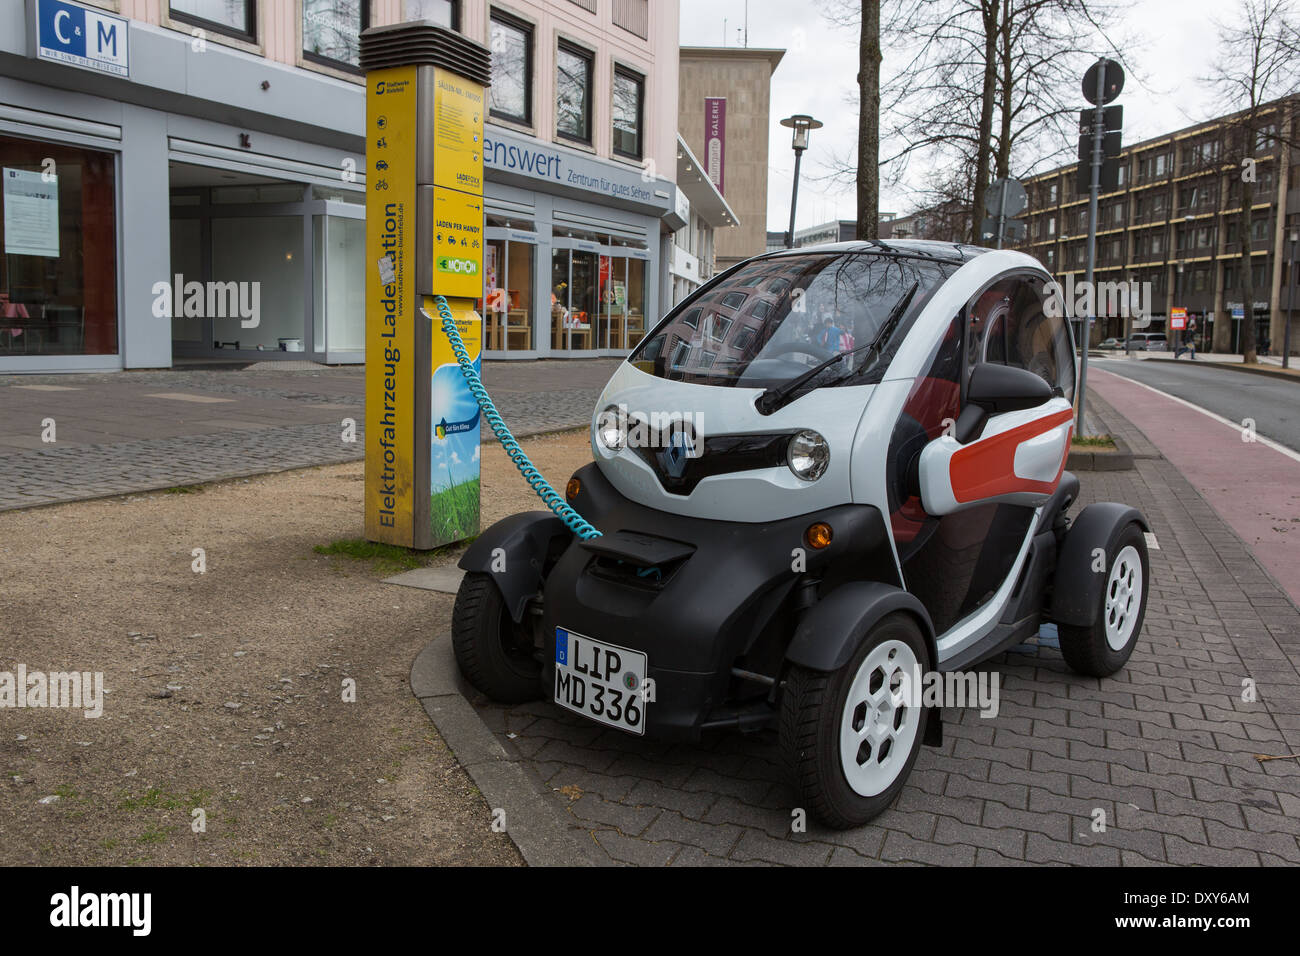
<point>770,320</point>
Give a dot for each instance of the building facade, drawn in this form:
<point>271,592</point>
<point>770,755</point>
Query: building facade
<point>185,179</point>
<point>724,100</point>
<point>706,213</point>
<point>1173,222</point>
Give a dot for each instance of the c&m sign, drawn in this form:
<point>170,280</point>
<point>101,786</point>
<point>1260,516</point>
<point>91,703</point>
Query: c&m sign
<point>91,39</point>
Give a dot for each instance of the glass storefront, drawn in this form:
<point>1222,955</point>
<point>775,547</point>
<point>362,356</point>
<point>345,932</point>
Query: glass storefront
<point>338,305</point>
<point>598,293</point>
<point>507,303</point>
<point>58,232</point>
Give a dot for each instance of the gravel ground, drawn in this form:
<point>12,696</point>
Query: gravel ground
<point>225,690</point>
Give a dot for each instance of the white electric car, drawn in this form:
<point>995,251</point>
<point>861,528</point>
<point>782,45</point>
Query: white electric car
<point>826,471</point>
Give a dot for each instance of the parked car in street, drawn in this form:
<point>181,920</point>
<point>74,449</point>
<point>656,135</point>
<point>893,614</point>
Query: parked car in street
<point>1149,342</point>
<point>1110,345</point>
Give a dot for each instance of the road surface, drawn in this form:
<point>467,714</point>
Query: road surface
<point>1274,404</point>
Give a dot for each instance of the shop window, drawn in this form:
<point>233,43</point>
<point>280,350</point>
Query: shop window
<point>573,73</point>
<point>331,31</point>
<point>507,303</point>
<point>58,234</point>
<point>235,18</point>
<point>511,92</point>
<point>629,93</point>
<point>443,13</point>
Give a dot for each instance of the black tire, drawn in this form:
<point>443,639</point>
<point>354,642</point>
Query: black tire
<point>812,706</point>
<point>1087,649</point>
<point>494,653</point>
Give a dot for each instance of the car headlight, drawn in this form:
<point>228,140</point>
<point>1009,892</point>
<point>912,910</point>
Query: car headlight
<point>611,429</point>
<point>808,455</point>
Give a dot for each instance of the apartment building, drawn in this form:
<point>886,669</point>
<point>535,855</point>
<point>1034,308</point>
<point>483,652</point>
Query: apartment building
<point>155,149</point>
<point>1173,221</point>
<point>724,102</point>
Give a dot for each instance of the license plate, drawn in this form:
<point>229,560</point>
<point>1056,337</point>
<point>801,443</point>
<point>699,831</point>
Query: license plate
<point>603,682</point>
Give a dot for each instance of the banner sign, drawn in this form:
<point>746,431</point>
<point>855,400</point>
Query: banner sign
<point>715,139</point>
<point>390,305</point>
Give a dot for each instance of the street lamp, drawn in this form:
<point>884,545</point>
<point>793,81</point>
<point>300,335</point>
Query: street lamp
<point>801,124</point>
<point>1172,341</point>
<point>1290,300</point>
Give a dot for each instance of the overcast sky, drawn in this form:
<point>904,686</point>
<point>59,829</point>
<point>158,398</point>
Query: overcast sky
<point>818,75</point>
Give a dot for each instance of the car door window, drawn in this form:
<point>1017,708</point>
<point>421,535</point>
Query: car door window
<point>1007,324</point>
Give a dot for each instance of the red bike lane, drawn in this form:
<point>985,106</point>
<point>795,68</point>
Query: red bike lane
<point>1254,485</point>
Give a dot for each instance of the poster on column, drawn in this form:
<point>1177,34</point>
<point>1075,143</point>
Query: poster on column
<point>454,449</point>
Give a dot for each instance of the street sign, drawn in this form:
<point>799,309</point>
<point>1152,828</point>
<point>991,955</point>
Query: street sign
<point>1006,197</point>
<point>1177,318</point>
<point>1108,178</point>
<point>1013,230</point>
<point>1112,84</point>
<point>1112,118</point>
<point>1110,146</point>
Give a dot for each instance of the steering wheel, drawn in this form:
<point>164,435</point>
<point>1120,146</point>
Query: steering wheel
<point>806,348</point>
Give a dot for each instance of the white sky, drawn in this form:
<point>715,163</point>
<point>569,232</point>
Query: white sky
<point>819,71</point>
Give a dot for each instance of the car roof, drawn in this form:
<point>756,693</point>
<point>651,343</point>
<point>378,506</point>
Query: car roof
<point>955,252</point>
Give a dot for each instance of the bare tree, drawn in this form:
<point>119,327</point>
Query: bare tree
<point>868,172</point>
<point>1259,61</point>
<point>985,86</point>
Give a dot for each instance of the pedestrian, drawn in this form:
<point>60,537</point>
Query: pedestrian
<point>1188,338</point>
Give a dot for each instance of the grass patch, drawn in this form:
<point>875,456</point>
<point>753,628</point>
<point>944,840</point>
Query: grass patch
<point>184,489</point>
<point>383,558</point>
<point>387,558</point>
<point>1093,441</point>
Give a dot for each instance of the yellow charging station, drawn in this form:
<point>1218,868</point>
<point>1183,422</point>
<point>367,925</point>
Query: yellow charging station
<point>425,103</point>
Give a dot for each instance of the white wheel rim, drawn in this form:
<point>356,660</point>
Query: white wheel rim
<point>877,726</point>
<point>1123,597</point>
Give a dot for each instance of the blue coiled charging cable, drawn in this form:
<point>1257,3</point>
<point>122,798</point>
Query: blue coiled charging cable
<point>575,522</point>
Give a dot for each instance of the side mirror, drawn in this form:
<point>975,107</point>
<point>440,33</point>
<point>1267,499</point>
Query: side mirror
<point>995,389</point>
<point>1005,388</point>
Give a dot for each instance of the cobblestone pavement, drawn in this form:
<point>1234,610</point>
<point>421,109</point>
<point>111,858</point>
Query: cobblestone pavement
<point>138,431</point>
<point>1166,748</point>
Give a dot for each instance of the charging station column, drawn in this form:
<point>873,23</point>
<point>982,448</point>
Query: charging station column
<point>425,104</point>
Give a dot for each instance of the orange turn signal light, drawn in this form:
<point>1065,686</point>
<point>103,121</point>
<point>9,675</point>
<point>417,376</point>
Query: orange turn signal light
<point>818,535</point>
<point>572,489</point>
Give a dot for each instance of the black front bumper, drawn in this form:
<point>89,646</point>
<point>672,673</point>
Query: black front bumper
<point>699,597</point>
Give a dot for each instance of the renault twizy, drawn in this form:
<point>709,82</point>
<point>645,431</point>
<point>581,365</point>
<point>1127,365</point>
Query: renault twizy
<point>826,470</point>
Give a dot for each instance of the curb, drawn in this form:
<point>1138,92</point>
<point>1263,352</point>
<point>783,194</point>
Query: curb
<point>1267,372</point>
<point>544,833</point>
<point>1121,459</point>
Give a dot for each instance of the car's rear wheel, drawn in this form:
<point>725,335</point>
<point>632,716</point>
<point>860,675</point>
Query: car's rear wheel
<point>1105,647</point>
<point>494,653</point>
<point>850,737</point>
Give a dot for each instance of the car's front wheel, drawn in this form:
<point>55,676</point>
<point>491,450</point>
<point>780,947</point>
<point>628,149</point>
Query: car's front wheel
<point>495,654</point>
<point>850,737</point>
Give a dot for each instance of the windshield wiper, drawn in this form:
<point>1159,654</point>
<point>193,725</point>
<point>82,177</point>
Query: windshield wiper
<point>779,395</point>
